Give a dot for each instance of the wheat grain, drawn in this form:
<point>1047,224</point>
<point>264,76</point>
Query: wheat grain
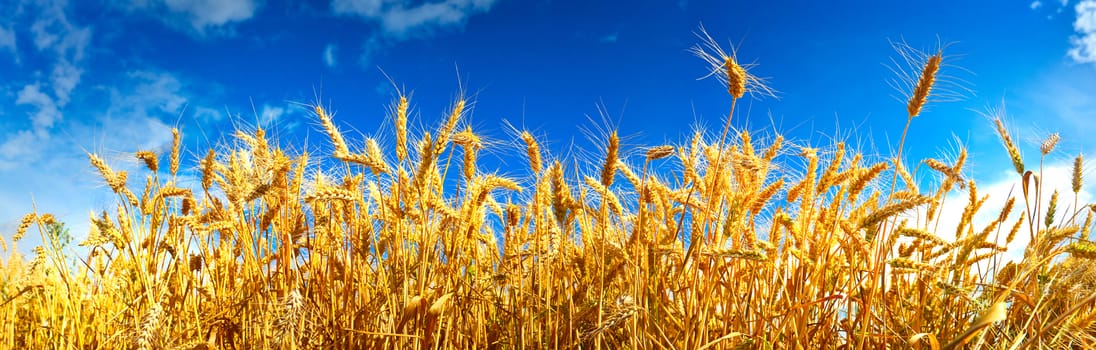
<point>24,224</point>
<point>1078,170</point>
<point>330,194</point>
<point>1051,209</point>
<point>763,197</point>
<point>911,264</point>
<point>149,158</point>
<point>922,235</point>
<point>332,131</point>
<point>532,150</point>
<point>659,152</point>
<point>950,172</point>
<point>611,199</point>
<point>748,254</point>
<point>401,129</point>
<point>630,175</point>
<point>862,179</point>
<point>176,142</point>
<point>924,84</point>
<point>1085,250</point>
<point>1010,147</point>
<point>726,68</point>
<point>607,169</point>
<point>1015,228</point>
<point>1048,144</point>
<point>146,336</point>
<point>890,210</point>
<point>115,180</point>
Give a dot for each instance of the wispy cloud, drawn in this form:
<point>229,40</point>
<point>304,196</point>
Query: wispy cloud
<point>270,114</point>
<point>1063,97</point>
<point>48,111</point>
<point>275,117</point>
<point>62,44</point>
<point>1084,42</point>
<point>1036,4</point>
<point>139,109</point>
<point>7,42</point>
<point>329,56</point>
<point>610,38</point>
<point>399,20</point>
<point>198,17</point>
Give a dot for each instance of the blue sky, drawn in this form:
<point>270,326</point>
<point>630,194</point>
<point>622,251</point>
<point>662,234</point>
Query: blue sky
<point>115,77</point>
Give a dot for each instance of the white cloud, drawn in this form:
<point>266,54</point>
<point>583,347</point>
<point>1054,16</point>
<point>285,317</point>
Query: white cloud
<point>1084,42</point>
<point>1036,4</point>
<point>367,8</point>
<point>63,44</point>
<point>329,55</point>
<point>202,113</point>
<point>1057,176</point>
<point>284,117</point>
<point>198,16</point>
<point>17,149</point>
<point>401,18</point>
<point>53,31</point>
<point>48,111</point>
<point>137,115</point>
<point>7,41</point>
<point>1063,98</point>
<point>152,92</point>
<point>270,114</point>
<point>64,78</point>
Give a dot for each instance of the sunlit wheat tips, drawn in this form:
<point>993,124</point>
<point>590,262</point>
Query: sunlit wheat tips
<point>149,158</point>
<point>24,224</point>
<point>608,167</point>
<point>920,77</point>
<point>924,85</point>
<point>1048,144</point>
<point>176,142</point>
<point>659,152</point>
<point>728,70</point>
<point>532,151</point>
<point>401,128</point>
<point>1078,173</point>
<point>341,148</point>
<point>1010,146</point>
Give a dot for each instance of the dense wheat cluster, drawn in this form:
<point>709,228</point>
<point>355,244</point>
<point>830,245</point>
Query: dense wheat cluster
<point>733,240</point>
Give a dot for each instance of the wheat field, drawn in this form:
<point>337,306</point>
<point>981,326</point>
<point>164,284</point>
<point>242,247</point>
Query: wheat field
<point>728,239</point>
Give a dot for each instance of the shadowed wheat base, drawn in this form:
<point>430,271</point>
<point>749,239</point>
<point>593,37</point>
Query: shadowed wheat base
<point>703,244</point>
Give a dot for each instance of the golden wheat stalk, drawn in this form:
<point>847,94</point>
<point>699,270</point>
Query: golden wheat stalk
<point>532,150</point>
<point>607,196</point>
<point>24,224</point>
<point>401,129</point>
<point>332,131</point>
<point>176,142</point>
<point>1078,172</point>
<point>924,84</point>
<point>1013,152</point>
<point>659,152</point>
<point>149,158</point>
<point>1048,144</point>
<point>726,68</point>
<point>607,169</point>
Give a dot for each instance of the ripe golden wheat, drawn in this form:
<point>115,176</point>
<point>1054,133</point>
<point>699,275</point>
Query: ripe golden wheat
<point>712,243</point>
